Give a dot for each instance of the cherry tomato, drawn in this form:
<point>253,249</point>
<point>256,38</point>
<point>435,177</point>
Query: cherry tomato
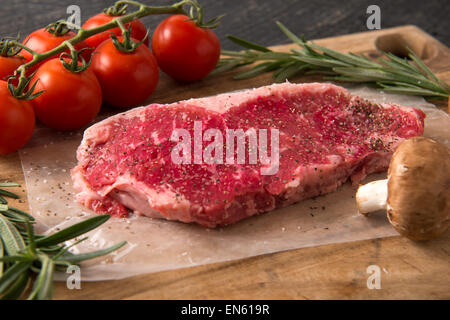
<point>138,30</point>
<point>127,79</point>
<point>183,50</point>
<point>17,121</point>
<point>70,100</point>
<point>9,64</point>
<point>41,41</point>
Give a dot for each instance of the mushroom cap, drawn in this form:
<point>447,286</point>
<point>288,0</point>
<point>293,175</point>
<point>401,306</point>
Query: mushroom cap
<point>418,204</point>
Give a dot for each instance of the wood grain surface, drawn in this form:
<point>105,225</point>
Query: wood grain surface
<point>410,270</point>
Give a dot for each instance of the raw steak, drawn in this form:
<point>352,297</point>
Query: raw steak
<point>326,136</point>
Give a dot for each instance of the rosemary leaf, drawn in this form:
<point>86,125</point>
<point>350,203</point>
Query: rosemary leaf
<point>416,79</point>
<point>283,67</point>
<point>323,72</point>
<point>395,62</point>
<point>11,237</point>
<point>290,35</point>
<point>8,194</point>
<point>248,44</point>
<point>274,55</point>
<point>288,71</point>
<point>344,78</point>
<point>20,212</point>
<point>421,65</point>
<point>411,90</point>
<point>10,275</point>
<point>14,217</point>
<point>17,288</point>
<point>90,255</point>
<point>43,286</point>
<point>376,75</point>
<point>345,58</point>
<point>2,252</point>
<point>15,258</point>
<point>51,249</point>
<point>322,62</point>
<point>8,184</point>
<point>233,54</point>
<point>260,68</point>
<point>226,67</point>
<point>64,250</point>
<point>73,231</point>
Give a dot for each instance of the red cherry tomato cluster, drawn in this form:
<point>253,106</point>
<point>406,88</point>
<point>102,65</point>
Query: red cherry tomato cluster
<point>71,100</point>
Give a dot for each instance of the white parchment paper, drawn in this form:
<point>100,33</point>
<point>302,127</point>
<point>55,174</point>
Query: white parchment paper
<point>157,245</point>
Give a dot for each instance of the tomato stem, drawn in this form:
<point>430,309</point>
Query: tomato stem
<point>75,58</point>
<point>24,47</point>
<point>9,47</point>
<point>58,28</point>
<point>116,10</point>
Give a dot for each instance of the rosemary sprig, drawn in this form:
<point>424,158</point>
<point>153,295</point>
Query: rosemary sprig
<point>26,256</point>
<point>390,73</point>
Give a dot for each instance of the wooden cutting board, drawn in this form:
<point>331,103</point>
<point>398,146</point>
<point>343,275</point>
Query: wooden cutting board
<point>409,270</point>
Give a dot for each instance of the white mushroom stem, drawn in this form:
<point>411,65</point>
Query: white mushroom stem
<point>372,196</point>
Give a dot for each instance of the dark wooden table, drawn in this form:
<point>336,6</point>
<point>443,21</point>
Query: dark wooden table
<point>254,19</point>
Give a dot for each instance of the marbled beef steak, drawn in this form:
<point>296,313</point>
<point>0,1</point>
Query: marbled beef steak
<point>326,137</point>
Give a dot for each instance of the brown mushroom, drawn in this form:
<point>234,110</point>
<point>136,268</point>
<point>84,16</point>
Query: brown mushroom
<point>416,193</point>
